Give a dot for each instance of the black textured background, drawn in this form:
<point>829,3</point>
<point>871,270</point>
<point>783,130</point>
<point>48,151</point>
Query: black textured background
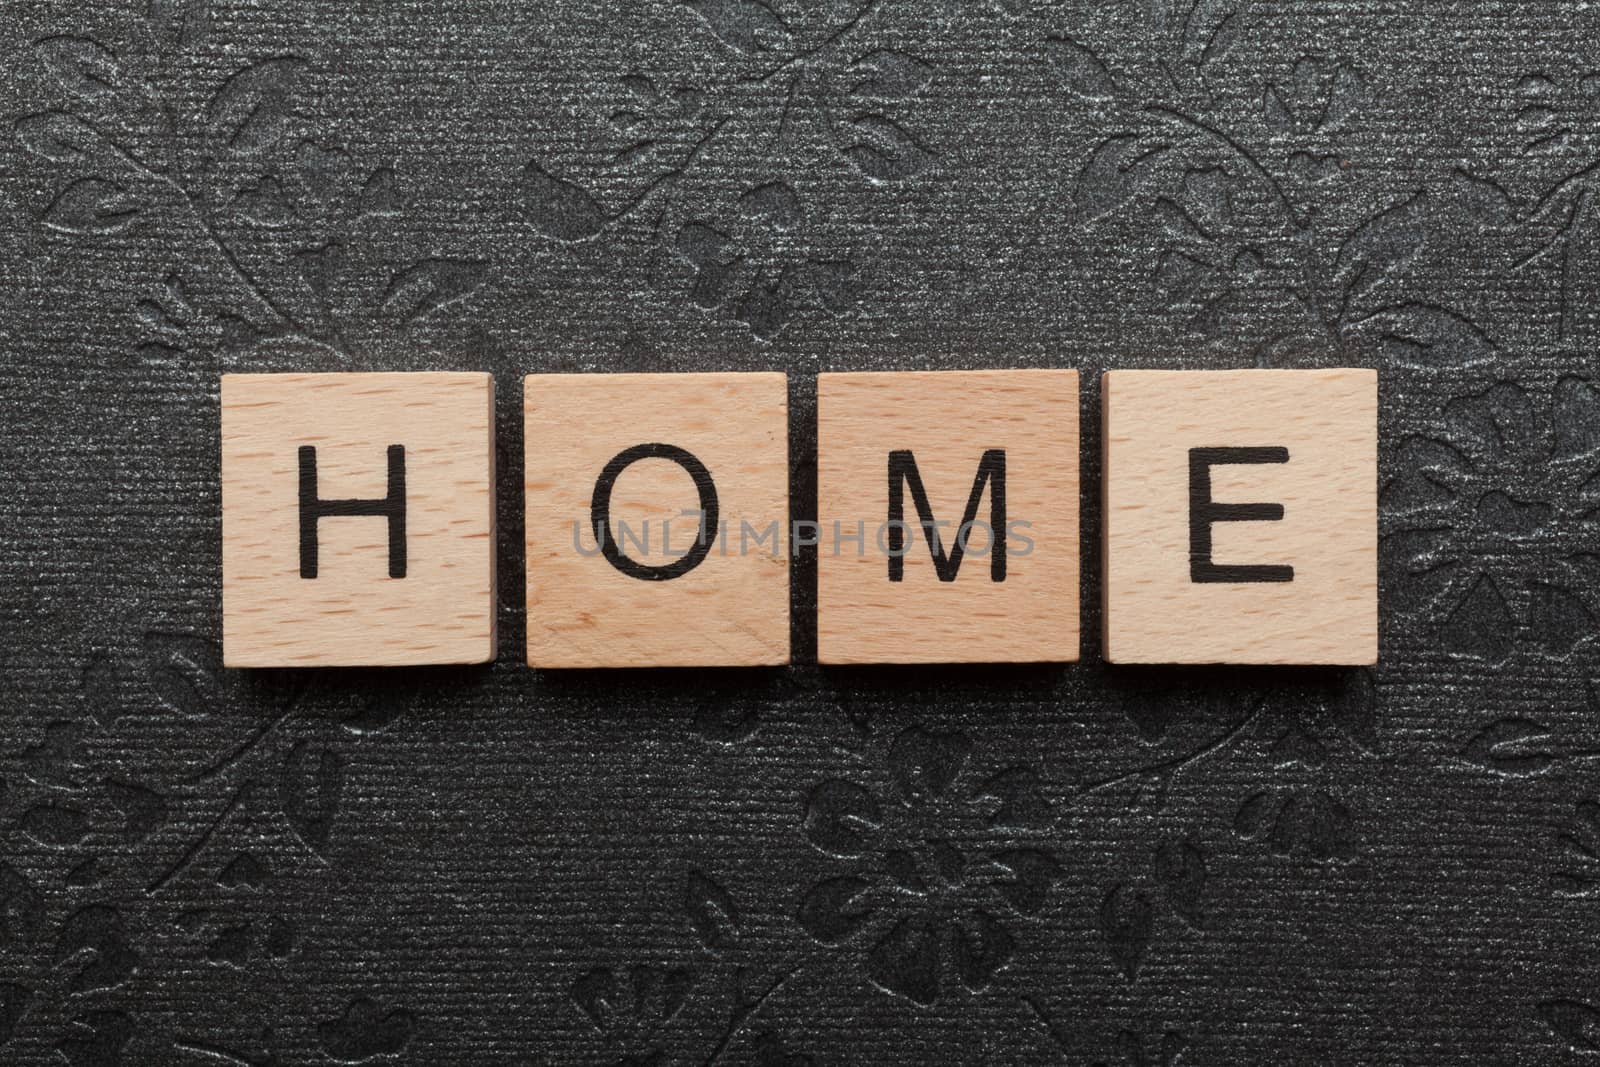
<point>1051,865</point>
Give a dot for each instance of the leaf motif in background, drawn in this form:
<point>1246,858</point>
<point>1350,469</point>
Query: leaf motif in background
<point>309,789</point>
<point>1127,922</point>
<point>1580,840</point>
<point>1426,475</point>
<point>1033,871</point>
<point>322,170</point>
<point>711,912</point>
<point>766,306</point>
<point>1210,31</point>
<point>1112,175</point>
<point>885,152</point>
<point>320,268</point>
<point>1179,275</point>
<point>1079,69</point>
<point>381,193</point>
<point>56,825</point>
<point>1575,419</point>
<point>593,995</point>
<point>1495,426</point>
<point>60,137</point>
<point>251,111</point>
<point>721,720</point>
<point>185,671</point>
<point>841,817</point>
<point>1275,113</point>
<point>1382,246</point>
<point>557,208</point>
<point>1557,619</point>
<point>834,909</point>
<point>1513,747</point>
<point>635,154</point>
<point>178,21</point>
<point>57,759</point>
<point>1481,624</point>
<point>1573,1021</point>
<point>1208,194</point>
<point>888,75</point>
<point>979,948</point>
<point>1312,167</point>
<point>1348,94</point>
<point>144,811</point>
<point>84,67</point>
<point>645,997</point>
<point>642,89</point>
<point>426,287</point>
<point>748,26</point>
<point>100,930</point>
<point>96,1038</point>
<point>829,282</point>
<point>263,204</point>
<point>1222,40</point>
<point>1018,798</point>
<point>363,1032</point>
<point>1291,823</point>
<point>774,203</point>
<point>706,251</point>
<point>1423,335</point>
<point>92,205</point>
<point>925,764</point>
<point>906,961</point>
<point>1354,710</point>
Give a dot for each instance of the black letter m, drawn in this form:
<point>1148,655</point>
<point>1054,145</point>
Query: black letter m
<point>991,472</point>
<point>391,507</point>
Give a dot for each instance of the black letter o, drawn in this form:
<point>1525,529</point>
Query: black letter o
<point>600,512</point>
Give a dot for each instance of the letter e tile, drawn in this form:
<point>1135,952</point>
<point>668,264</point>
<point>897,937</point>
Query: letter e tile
<point>1241,516</point>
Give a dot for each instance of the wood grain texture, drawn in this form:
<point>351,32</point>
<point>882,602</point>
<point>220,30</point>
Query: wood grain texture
<point>732,609</point>
<point>354,613</point>
<point>948,420</point>
<point>1155,612</point>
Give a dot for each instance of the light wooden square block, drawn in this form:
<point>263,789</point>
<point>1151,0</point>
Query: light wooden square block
<point>357,519</point>
<point>1241,516</point>
<point>994,453</point>
<point>657,519</point>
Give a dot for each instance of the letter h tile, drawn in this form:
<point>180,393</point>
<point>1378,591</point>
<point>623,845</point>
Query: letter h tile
<point>357,519</point>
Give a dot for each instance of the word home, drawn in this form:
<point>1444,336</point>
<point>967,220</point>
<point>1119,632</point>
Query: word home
<point>1239,518</point>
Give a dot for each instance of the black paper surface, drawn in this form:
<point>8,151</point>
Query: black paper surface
<point>1072,865</point>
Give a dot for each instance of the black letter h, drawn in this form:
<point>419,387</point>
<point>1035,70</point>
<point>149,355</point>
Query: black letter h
<point>392,507</point>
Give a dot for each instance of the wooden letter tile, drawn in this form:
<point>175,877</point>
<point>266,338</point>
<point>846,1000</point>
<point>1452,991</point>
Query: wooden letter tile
<point>357,519</point>
<point>986,451</point>
<point>657,519</point>
<point>1241,516</point>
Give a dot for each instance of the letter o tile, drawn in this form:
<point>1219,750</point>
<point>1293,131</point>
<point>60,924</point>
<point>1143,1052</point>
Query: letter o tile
<point>657,519</point>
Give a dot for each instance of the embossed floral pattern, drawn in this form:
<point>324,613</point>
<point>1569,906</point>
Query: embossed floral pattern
<point>945,866</point>
<point>986,864</point>
<point>1490,520</point>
